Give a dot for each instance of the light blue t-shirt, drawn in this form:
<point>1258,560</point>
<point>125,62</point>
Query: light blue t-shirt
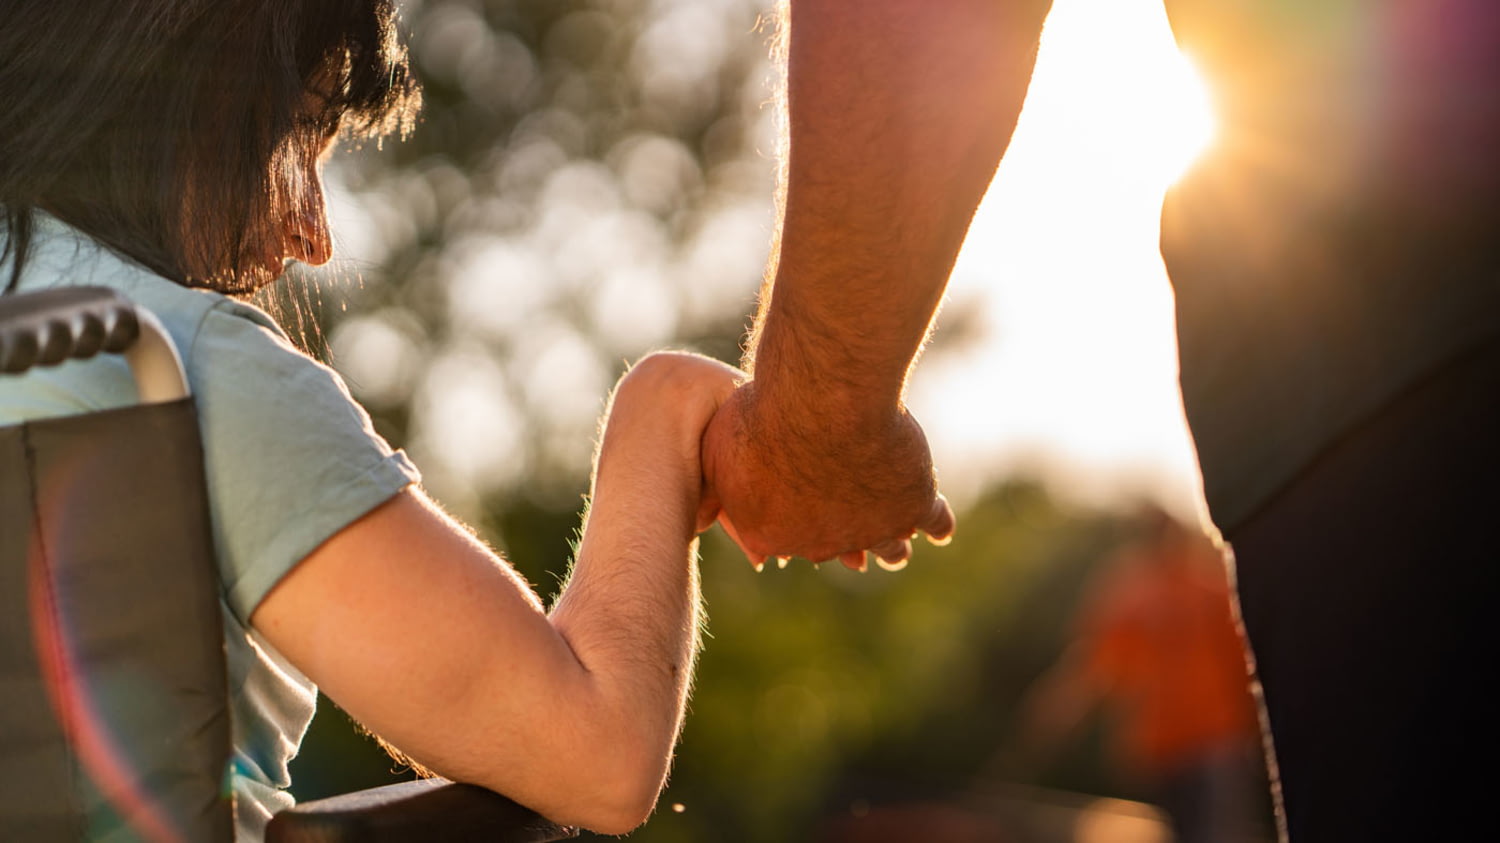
<point>290,459</point>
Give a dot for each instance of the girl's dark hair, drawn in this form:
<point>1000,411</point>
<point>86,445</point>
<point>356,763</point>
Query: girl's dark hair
<point>168,129</point>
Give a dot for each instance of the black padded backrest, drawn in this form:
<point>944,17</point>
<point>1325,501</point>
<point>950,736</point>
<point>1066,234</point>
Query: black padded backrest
<point>114,723</point>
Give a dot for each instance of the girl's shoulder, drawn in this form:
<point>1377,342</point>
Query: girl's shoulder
<point>244,371</point>
<point>199,321</point>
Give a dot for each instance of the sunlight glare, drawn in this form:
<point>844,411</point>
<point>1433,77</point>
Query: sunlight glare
<point>1078,374</point>
<point>1188,123</point>
<point>1113,74</point>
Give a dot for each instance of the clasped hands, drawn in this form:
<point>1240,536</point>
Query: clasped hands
<point>820,482</point>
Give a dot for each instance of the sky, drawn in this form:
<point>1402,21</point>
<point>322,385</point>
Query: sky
<point>1074,372</point>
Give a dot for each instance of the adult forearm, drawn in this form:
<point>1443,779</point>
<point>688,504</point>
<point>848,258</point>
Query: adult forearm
<point>898,113</point>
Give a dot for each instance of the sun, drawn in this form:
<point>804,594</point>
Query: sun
<point>1109,79</point>
<point>1078,368</point>
<point>1186,121</point>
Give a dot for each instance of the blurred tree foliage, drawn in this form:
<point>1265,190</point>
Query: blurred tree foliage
<point>590,179</point>
<point>593,178</point>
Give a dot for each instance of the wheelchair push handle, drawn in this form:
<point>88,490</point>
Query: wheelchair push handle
<point>48,327</point>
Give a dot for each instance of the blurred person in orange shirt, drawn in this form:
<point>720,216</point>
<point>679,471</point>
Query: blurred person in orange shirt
<point>1157,645</point>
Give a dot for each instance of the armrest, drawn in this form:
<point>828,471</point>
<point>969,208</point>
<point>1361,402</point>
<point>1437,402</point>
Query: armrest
<point>48,327</point>
<point>428,809</point>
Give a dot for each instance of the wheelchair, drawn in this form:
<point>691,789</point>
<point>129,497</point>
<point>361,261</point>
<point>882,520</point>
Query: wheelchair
<point>114,710</point>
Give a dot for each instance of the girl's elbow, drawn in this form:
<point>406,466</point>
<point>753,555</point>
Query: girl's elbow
<point>612,802</point>
<point>628,797</point>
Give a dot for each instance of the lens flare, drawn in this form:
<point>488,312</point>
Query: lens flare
<point>74,694</point>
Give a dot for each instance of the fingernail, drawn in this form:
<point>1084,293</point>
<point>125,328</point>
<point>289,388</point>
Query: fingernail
<point>864,564</point>
<point>891,566</point>
<point>940,542</point>
<point>783,561</point>
<point>758,564</point>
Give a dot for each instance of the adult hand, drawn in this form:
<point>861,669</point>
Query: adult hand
<point>819,485</point>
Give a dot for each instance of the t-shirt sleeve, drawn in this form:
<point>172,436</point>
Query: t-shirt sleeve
<point>290,458</point>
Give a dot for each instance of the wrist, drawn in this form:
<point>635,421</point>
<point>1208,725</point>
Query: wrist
<point>648,468</point>
<point>648,488</point>
<point>818,430</point>
<point>798,366</point>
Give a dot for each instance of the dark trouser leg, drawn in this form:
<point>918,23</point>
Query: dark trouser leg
<point>1367,590</point>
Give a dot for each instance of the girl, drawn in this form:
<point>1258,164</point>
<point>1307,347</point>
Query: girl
<point>171,149</point>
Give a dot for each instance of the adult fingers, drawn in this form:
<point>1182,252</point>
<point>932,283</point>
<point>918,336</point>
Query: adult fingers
<point>940,522</point>
<point>757,560</point>
<point>708,512</point>
<point>854,560</point>
<point>892,555</point>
